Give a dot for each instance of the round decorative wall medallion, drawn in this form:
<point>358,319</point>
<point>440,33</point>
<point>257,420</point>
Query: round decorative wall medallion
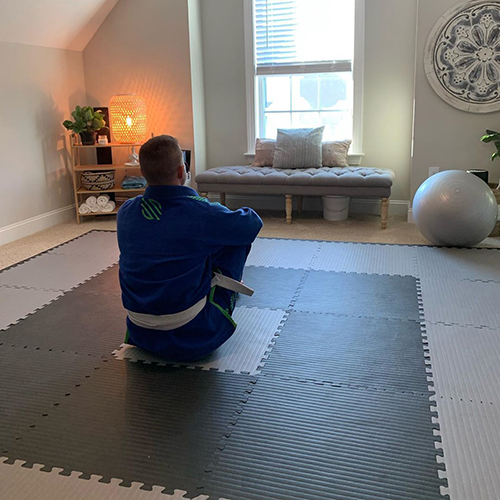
<point>462,57</point>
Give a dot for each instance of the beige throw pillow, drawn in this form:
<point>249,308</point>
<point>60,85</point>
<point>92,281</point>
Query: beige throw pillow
<point>264,152</point>
<point>335,153</point>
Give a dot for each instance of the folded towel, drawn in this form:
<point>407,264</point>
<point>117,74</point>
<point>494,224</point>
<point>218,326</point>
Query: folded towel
<point>91,201</point>
<point>103,200</point>
<point>134,182</point>
<point>83,209</point>
<point>109,207</point>
<point>95,208</point>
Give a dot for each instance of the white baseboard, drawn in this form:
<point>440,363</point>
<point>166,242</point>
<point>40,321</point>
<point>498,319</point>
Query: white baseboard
<point>311,204</point>
<point>34,224</point>
<point>410,216</point>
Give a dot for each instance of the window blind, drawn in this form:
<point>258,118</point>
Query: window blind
<point>291,36</point>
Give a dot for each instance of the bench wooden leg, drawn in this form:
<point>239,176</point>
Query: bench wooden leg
<point>223,199</point>
<point>204,195</point>
<point>289,201</point>
<point>384,212</point>
<point>300,199</point>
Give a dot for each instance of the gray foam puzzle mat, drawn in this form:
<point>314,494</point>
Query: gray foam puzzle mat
<point>17,303</point>
<point>101,245</point>
<point>471,440</point>
<point>392,297</point>
<point>242,353</point>
<point>465,303</point>
<point>465,362</point>
<point>288,254</point>
<point>274,287</point>
<point>31,383</point>
<point>19,483</point>
<point>367,438</point>
<point>459,263</point>
<point>140,423</point>
<point>84,323</point>
<point>356,444</point>
<point>367,352</point>
<point>51,271</point>
<point>366,259</point>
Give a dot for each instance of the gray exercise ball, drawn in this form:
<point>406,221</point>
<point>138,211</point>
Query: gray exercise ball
<point>454,208</point>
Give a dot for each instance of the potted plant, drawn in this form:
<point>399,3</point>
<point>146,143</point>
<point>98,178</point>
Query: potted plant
<point>87,123</point>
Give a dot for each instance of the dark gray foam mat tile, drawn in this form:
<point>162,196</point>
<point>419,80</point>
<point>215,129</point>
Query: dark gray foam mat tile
<point>139,423</point>
<point>274,288</point>
<point>105,283</point>
<point>31,383</point>
<point>386,354</point>
<point>84,323</point>
<point>367,295</point>
<point>304,441</point>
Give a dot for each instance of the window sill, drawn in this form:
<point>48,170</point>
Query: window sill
<point>354,158</point>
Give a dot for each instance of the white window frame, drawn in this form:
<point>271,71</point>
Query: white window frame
<point>356,152</point>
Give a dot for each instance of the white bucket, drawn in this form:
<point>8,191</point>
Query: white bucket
<point>336,208</point>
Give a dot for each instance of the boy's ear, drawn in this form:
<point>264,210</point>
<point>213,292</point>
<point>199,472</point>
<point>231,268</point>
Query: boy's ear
<point>180,172</point>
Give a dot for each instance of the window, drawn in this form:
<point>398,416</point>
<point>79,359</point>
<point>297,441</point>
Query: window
<point>300,67</point>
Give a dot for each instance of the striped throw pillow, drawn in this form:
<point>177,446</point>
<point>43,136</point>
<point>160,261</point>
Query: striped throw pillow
<point>299,148</point>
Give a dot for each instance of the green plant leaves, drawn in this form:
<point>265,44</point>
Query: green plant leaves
<point>86,120</point>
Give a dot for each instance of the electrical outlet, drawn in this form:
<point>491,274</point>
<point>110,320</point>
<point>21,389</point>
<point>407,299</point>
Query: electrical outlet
<point>433,170</point>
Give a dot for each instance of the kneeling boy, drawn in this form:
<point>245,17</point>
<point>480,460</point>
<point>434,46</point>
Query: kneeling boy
<point>171,243</point>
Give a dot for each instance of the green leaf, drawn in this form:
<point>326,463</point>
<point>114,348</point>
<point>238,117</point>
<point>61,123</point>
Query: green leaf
<point>496,154</point>
<point>68,124</point>
<point>490,137</point>
<point>491,132</point>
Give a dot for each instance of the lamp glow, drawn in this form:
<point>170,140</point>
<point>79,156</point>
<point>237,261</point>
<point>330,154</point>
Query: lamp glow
<point>127,115</point>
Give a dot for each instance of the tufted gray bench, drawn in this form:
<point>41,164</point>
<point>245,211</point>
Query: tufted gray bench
<point>358,182</point>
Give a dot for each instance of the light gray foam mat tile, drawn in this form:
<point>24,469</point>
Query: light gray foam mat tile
<point>368,259</point>
<point>296,441</point>
<point>274,288</point>
<point>465,362</point>
<point>242,353</point>
<point>465,303</point>
<point>359,295</point>
<point>19,483</point>
<point>471,440</point>
<point>31,383</point>
<point>385,354</point>
<point>96,244</point>
<point>289,254</point>
<point>17,303</point>
<point>459,263</point>
<point>53,271</point>
<point>83,323</point>
<point>139,423</point>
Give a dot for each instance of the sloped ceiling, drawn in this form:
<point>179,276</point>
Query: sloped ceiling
<point>62,24</point>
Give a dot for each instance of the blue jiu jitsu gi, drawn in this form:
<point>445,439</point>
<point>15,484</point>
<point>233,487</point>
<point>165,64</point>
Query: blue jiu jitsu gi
<point>171,241</point>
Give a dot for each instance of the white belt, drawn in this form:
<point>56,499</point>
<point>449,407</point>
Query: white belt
<point>167,322</point>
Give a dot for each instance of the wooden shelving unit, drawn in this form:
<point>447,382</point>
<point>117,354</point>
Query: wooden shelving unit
<point>119,169</point>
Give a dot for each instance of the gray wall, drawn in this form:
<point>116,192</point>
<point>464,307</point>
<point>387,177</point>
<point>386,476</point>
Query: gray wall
<point>389,78</point>
<point>197,84</point>
<point>37,93</point>
<point>445,137</point>
<point>143,47</point>
<point>225,91</point>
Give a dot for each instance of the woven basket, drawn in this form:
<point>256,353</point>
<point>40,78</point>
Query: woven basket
<point>98,181</point>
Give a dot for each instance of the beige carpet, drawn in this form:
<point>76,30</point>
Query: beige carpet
<point>359,228</point>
